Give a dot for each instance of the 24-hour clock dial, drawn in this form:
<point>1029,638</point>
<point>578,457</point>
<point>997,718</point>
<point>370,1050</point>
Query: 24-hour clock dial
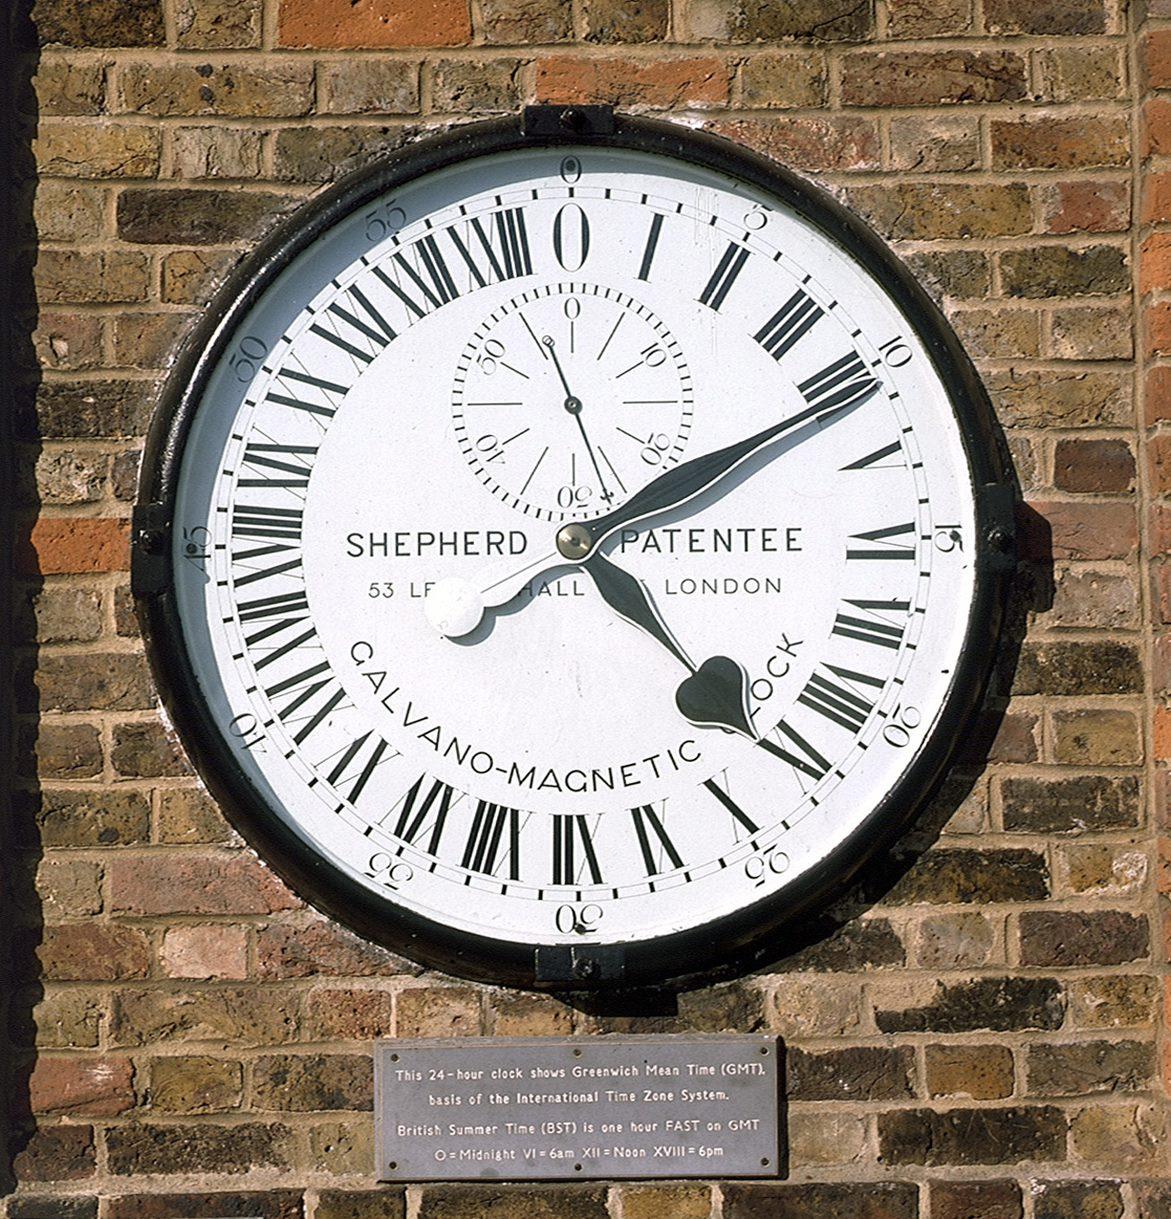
<point>577,551</point>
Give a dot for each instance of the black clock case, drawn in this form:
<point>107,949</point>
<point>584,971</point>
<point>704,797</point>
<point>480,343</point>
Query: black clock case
<point>763,932</point>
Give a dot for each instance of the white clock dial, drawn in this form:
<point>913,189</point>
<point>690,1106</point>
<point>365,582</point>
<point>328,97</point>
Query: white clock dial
<point>638,746</point>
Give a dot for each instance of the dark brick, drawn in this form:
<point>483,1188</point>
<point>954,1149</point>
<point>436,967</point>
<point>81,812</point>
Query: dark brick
<point>976,1200</point>
<point>861,944</point>
<point>92,681</point>
<point>1000,1004</point>
<point>321,154</point>
<point>865,1200</point>
<point>81,818</point>
<point>349,1204</point>
<point>1107,937</point>
<point>494,1202</point>
<point>974,876</point>
<point>275,1204</point>
<point>713,1009</point>
<point>964,274</point>
<point>1089,802</point>
<point>1097,667</point>
<point>857,1073</point>
<point>198,217</point>
<point>815,20</point>
<point>1045,16</point>
<point>1088,466</point>
<point>972,1136</point>
<point>145,751</point>
<point>1049,271</point>
<point>99,23</point>
<point>1090,1066</point>
<point>67,410</point>
<point>247,1147</point>
<point>627,20</point>
<point>53,1208</point>
<point>54,1153</point>
<point>310,1082</point>
<point>1091,1200</point>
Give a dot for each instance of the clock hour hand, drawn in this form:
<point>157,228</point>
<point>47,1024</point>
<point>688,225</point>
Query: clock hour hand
<point>716,693</point>
<point>691,478</point>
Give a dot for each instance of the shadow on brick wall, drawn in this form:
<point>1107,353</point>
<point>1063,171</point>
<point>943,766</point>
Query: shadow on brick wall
<point>20,850</point>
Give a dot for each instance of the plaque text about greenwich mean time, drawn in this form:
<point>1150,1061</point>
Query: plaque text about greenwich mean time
<point>577,1108</point>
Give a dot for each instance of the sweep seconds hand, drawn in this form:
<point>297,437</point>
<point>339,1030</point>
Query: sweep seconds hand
<point>573,406</point>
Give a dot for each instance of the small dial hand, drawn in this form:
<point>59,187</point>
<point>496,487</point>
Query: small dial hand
<point>686,481</point>
<point>573,406</point>
<point>716,693</point>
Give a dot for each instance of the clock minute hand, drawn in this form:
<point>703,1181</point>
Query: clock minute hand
<point>684,482</point>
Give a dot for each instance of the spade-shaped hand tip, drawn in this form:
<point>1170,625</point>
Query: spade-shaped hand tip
<point>716,695</point>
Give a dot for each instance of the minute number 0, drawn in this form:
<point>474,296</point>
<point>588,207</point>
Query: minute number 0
<point>581,919</point>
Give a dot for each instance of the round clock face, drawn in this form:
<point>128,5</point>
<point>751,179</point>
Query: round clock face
<point>572,545</point>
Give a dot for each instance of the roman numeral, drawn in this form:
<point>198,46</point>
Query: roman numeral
<point>838,702</point>
<point>792,320</point>
<point>282,525</point>
<point>366,760</point>
<point>872,629</point>
<point>315,698</point>
<point>885,548</point>
<point>280,613</point>
<point>570,832</point>
<point>845,382</point>
<point>371,326</point>
<point>807,761</point>
<point>487,837</point>
<point>432,278</point>
<point>288,397</point>
<point>738,814</point>
<point>652,243</point>
<point>289,460</point>
<point>648,827</point>
<point>724,276</point>
<point>417,808</point>
<point>878,459</point>
<point>512,239</point>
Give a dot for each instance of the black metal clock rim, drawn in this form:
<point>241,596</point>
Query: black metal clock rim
<point>722,947</point>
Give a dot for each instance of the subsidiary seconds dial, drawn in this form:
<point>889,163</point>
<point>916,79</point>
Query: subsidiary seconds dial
<point>569,397</point>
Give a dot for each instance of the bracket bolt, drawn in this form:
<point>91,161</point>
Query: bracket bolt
<point>583,967</point>
<point>1000,539</point>
<point>573,118</point>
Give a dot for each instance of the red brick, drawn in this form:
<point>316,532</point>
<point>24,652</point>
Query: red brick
<point>1157,326</point>
<point>81,1086</point>
<point>1161,735</point>
<point>212,951</point>
<point>321,949</point>
<point>1079,530</point>
<point>1086,207</point>
<point>1155,263</point>
<point>1159,453</point>
<point>661,83</point>
<point>1155,58</point>
<point>1156,198</point>
<point>1093,465</point>
<point>1156,138</point>
<point>1161,592</point>
<point>374,23</point>
<point>1158,394</point>
<point>189,882</point>
<point>69,546</point>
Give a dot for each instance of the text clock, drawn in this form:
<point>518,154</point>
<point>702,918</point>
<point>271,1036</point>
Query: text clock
<point>570,547</point>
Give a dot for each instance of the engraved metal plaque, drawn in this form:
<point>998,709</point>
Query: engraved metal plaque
<point>577,1108</point>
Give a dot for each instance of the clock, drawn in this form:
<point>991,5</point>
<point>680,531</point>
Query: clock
<point>569,548</point>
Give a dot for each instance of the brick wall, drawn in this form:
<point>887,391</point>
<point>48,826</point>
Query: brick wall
<point>983,1032</point>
